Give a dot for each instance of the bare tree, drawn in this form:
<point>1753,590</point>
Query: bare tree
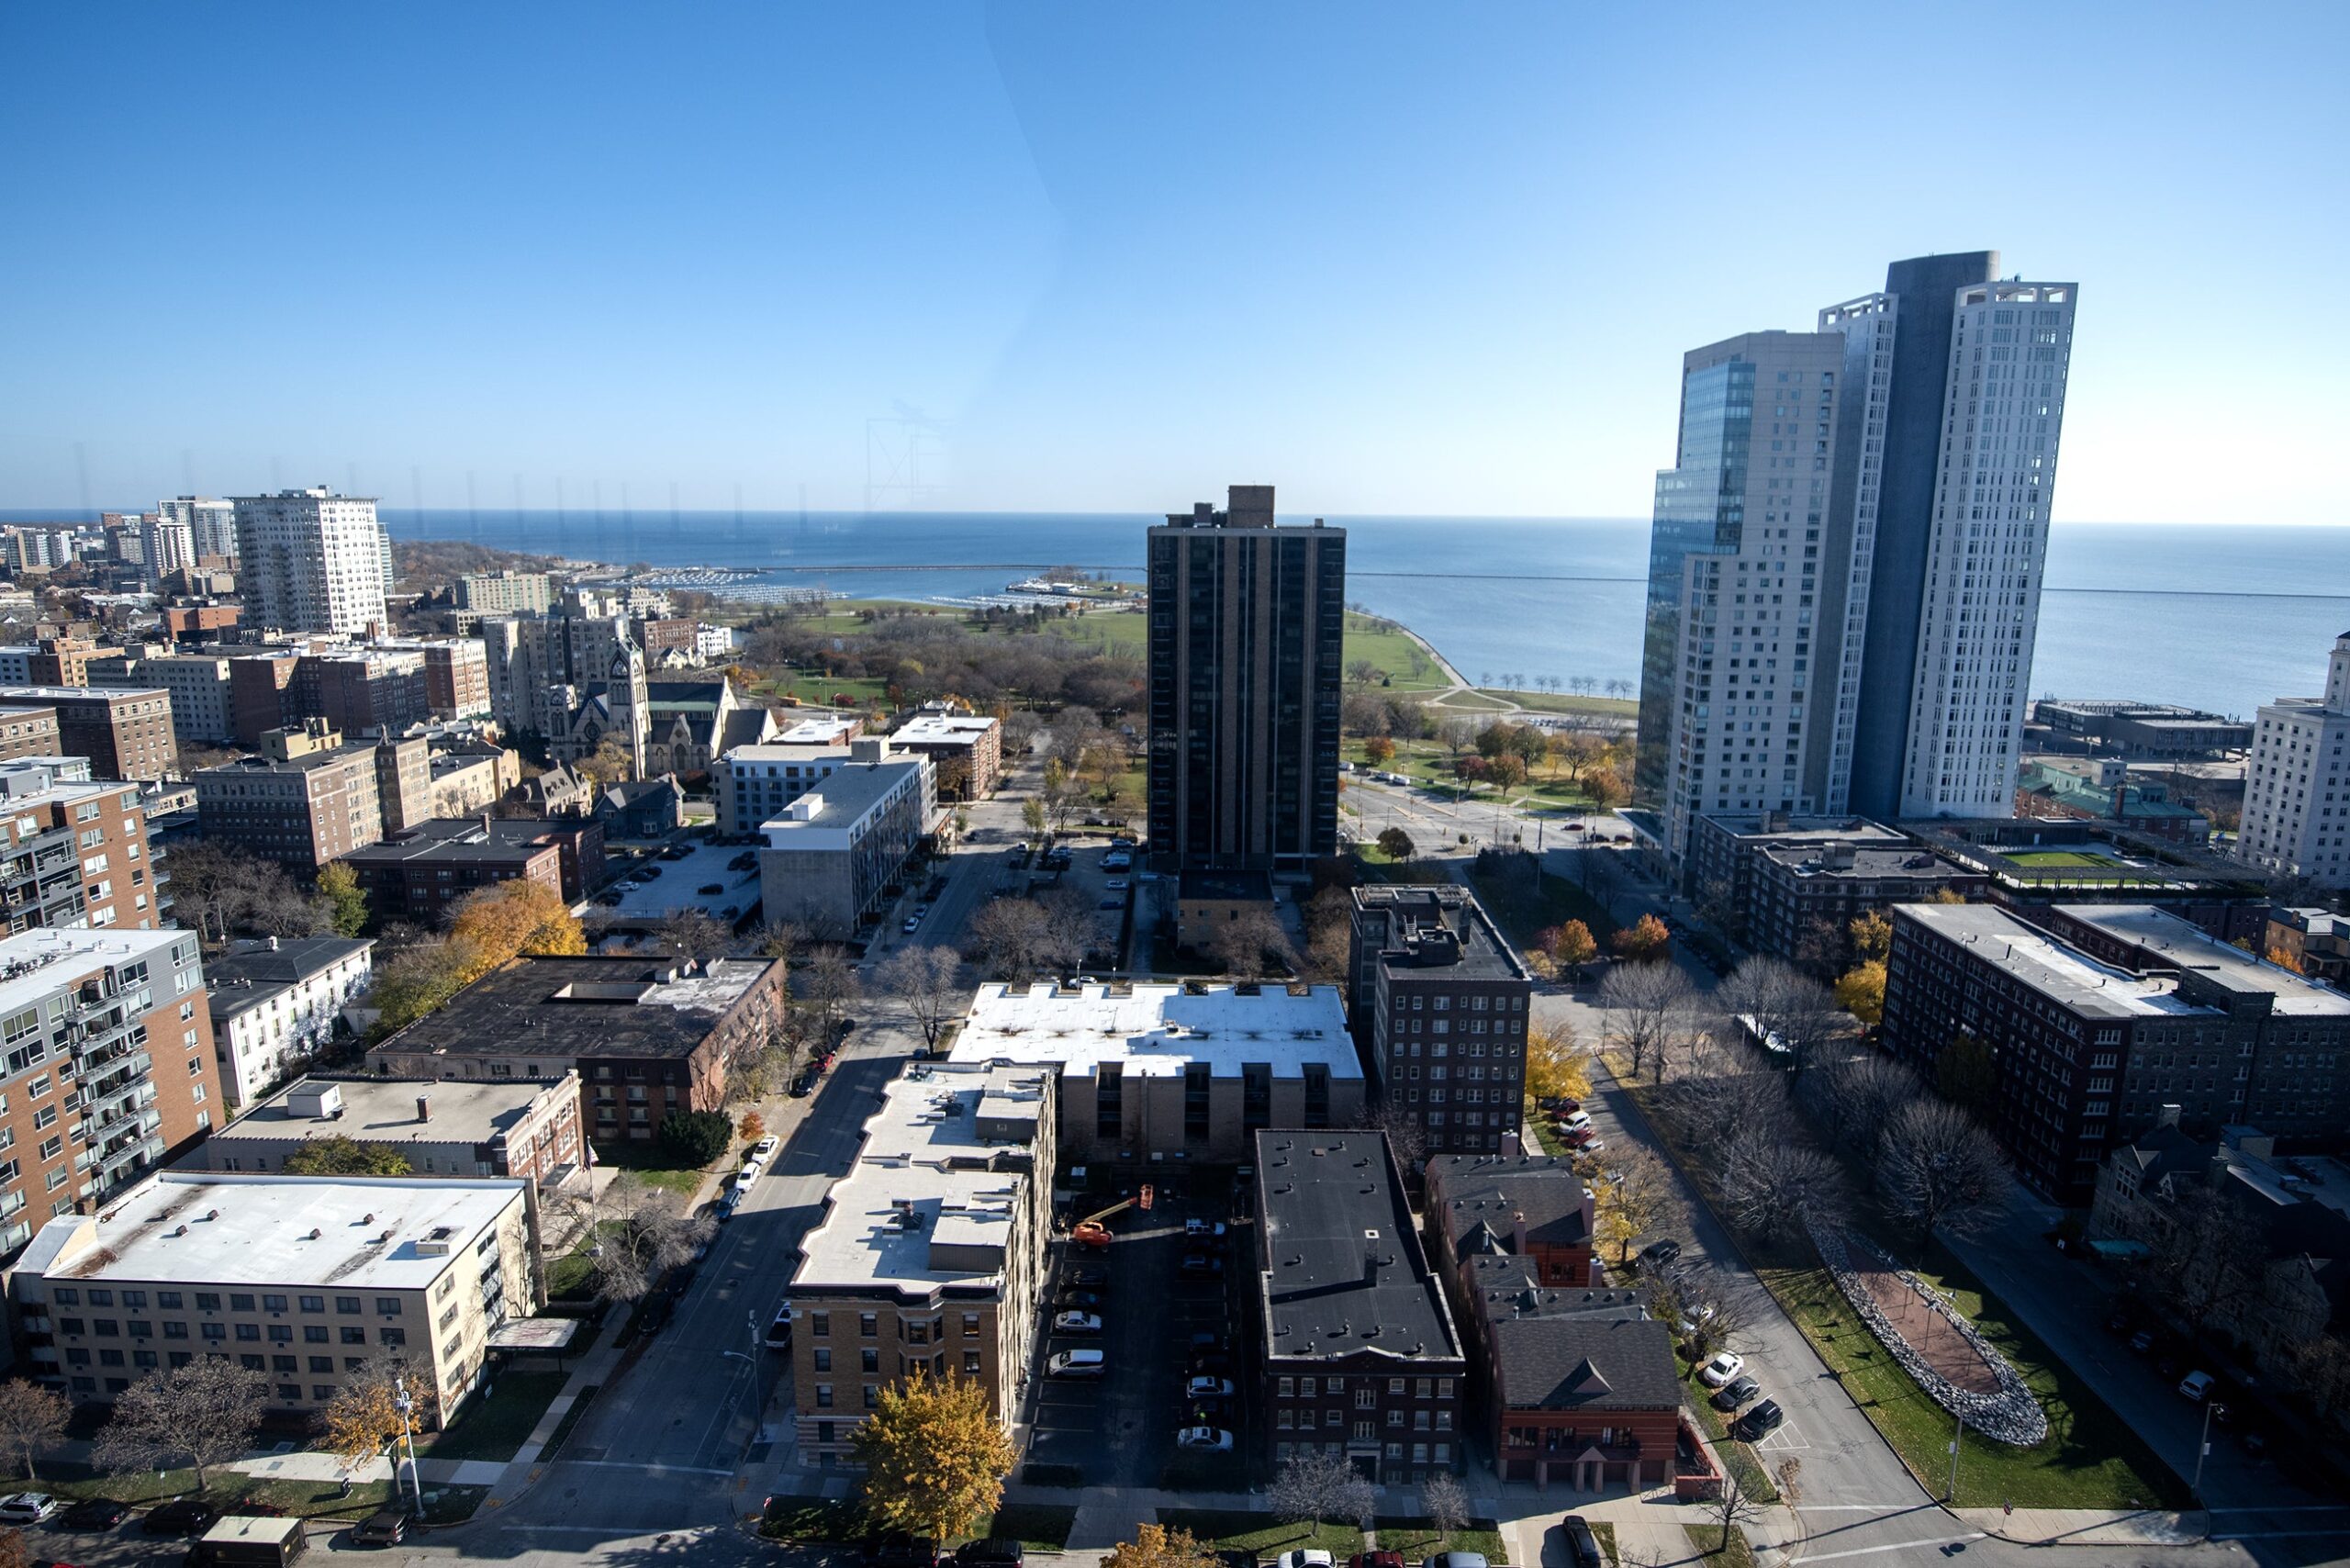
<point>203,1414</point>
<point>827,983</point>
<point>1405,1136</point>
<point>1937,1169</point>
<point>637,1232</point>
<point>1446,1503</point>
<point>1252,947</point>
<point>928,982</point>
<point>1733,1508</point>
<point>1008,937</point>
<point>2208,1261</point>
<point>1321,1486</point>
<point>1852,1102</point>
<point>1705,1306</point>
<point>32,1421</point>
<point>691,934</point>
<point>1788,1013</point>
<point>1650,1008</point>
<point>1771,1186</point>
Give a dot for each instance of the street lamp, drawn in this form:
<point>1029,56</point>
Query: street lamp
<point>407,1407</point>
<point>2203,1445</point>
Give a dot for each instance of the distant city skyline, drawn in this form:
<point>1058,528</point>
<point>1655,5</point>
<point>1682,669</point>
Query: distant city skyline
<point>1074,259</point>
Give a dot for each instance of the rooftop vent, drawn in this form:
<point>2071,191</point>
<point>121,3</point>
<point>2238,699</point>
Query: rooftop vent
<point>212,1214</point>
<point>316,1233</point>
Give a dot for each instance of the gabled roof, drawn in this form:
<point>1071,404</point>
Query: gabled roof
<point>1585,1361</point>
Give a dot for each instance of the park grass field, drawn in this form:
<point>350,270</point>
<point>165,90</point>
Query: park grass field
<point>2036,858</point>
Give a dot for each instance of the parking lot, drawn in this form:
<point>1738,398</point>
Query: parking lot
<point>1120,1430</point>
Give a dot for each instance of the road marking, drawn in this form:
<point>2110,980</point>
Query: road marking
<point>1782,1439</point>
<point>1897,1546</point>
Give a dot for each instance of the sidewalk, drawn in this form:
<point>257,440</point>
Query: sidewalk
<point>2087,1526</point>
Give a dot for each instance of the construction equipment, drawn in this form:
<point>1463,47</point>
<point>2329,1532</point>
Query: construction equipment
<point>1091,1232</point>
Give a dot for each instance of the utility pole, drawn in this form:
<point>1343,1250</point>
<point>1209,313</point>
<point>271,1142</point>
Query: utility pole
<point>2203,1446</point>
<point>1949,1498</point>
<point>751,1321</point>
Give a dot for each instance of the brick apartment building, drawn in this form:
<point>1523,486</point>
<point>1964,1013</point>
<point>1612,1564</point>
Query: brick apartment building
<point>529,1129</point>
<point>418,873</point>
<point>306,800</point>
<point>1358,1354</point>
<point>112,1022</point>
<point>2099,1016</point>
<point>930,1257</point>
<point>28,729</point>
<point>965,748</point>
<point>199,622</point>
<point>125,733</point>
<point>647,1036</point>
<point>1440,1013</point>
<point>73,852</point>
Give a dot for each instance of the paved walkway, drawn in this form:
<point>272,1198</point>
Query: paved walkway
<point>2087,1526</point>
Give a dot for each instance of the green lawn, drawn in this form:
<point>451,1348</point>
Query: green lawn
<point>1417,1539</point>
<point>1737,1457</point>
<point>2089,1460</point>
<point>309,1499</point>
<point>2061,858</point>
<point>649,1162</point>
<point>1566,702</point>
<point>806,1521</point>
<point>1605,1533</point>
<point>1706,1540</point>
<point>1402,664</point>
<point>1553,901</point>
<point>1042,1527</point>
<point>495,1427</point>
<point>1222,1531</point>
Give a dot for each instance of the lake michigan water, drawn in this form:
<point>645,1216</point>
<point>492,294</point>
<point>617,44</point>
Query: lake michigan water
<point>2221,618</point>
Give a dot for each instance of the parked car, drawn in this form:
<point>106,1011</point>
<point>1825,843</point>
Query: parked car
<point>1212,1412</point>
<point>1575,1121</point>
<point>1721,1369</point>
<point>386,1529</point>
<point>1659,1254</point>
<point>27,1508</point>
<point>1764,1417</point>
<point>1077,1323</point>
<point>95,1513</point>
<point>1736,1392</point>
<point>1454,1560</point>
<point>1210,1339</point>
<point>1207,1388</point>
<point>2141,1341</point>
<point>899,1550</point>
<point>1303,1557</point>
<point>1200,1229</point>
<point>803,1085</point>
<point>185,1516</point>
<point>1076,1363</point>
<point>1377,1560</point>
<point>779,1329</point>
<point>1210,1363</point>
<point>1091,1276</point>
<point>764,1150</point>
<point>1082,1301</point>
<point>1214,1438</point>
<point>912,923</point>
<point>2195,1387</point>
<point>1582,1545</point>
<point>1201,1265</point>
<point>995,1552</point>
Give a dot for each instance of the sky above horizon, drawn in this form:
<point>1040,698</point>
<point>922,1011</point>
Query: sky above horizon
<point>1395,260</point>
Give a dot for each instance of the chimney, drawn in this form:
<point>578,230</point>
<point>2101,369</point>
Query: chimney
<point>485,822</point>
<point>1517,1233</point>
<point>424,1108</point>
<point>2166,1115</point>
<point>273,944</point>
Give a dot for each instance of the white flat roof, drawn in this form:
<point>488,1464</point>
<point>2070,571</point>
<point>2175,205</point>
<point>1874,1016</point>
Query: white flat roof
<point>208,1227</point>
<point>815,732</point>
<point>39,951</point>
<point>925,1125</point>
<point>960,729</point>
<point>1155,1031</point>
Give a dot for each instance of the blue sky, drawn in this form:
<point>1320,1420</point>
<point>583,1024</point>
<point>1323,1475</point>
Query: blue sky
<point>1398,260</point>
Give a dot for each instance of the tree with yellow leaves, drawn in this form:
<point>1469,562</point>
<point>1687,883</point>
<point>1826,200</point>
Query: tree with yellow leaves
<point>363,1421</point>
<point>1156,1546</point>
<point>1871,936</point>
<point>935,1456</point>
<point>1860,992</point>
<point>1556,1067</point>
<point>521,916</point>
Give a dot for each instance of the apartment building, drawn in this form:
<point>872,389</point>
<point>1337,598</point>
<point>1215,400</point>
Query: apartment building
<point>306,800</point>
<point>2149,731</point>
<point>419,872</point>
<point>28,729</point>
<point>965,748</point>
<point>73,852</point>
<point>125,733</point>
<point>647,1036</point>
<point>826,861</point>
<point>505,593</point>
<point>757,782</point>
<point>2296,818</point>
<point>211,527</point>
<point>1790,886</point>
<point>312,561</point>
<point>456,679</point>
<point>1245,624</point>
<point>403,778</point>
<point>109,1066</point>
<point>312,1281</point>
<point>467,784</point>
<point>930,1257</point>
<point>1440,1012</point>
<point>1173,1073</point>
<point>275,1003</point>
<point>261,694</point>
<point>191,623</point>
<point>2097,1016</point>
<point>441,1127</point>
<point>354,690</point>
<point>1358,1353</point>
<point>202,713</point>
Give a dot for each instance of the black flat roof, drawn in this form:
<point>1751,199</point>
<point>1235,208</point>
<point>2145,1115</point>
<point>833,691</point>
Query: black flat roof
<point>1345,1274</point>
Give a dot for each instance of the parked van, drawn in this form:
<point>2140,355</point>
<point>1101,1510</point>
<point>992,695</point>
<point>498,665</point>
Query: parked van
<point>241,1542</point>
<point>2196,1385</point>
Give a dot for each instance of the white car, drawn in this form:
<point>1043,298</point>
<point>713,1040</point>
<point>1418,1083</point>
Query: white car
<point>1575,1121</point>
<point>1721,1369</point>
<point>1077,1323</point>
<point>1303,1558</point>
<point>1690,1322</point>
<point>1214,1437</point>
<point>1116,884</point>
<point>27,1508</point>
<point>1208,1388</point>
<point>752,1171</point>
<point>764,1150</point>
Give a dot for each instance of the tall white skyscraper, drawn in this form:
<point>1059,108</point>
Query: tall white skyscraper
<point>311,561</point>
<point>168,544</point>
<point>1852,536</point>
<point>211,525</point>
<point>2296,786</point>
